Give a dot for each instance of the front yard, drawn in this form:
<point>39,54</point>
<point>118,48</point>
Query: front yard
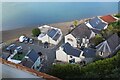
<point>18,56</point>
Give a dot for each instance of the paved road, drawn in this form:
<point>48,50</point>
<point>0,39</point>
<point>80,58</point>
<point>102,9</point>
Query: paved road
<point>9,72</point>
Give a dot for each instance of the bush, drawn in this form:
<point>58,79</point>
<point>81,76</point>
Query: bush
<point>97,39</point>
<point>117,15</point>
<point>75,23</point>
<point>36,32</point>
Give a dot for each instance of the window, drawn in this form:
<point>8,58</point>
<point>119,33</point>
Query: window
<point>70,39</point>
<point>72,61</point>
<point>70,56</point>
<point>101,53</point>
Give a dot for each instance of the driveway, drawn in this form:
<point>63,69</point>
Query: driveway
<point>48,53</point>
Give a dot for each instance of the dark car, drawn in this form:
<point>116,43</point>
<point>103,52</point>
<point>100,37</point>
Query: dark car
<point>19,48</point>
<point>26,40</point>
<point>30,41</point>
<point>10,46</point>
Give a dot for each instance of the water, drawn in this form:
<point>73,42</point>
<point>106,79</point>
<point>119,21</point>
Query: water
<point>26,14</point>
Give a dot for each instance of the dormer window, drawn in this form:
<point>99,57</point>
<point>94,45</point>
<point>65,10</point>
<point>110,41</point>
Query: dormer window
<point>69,39</point>
<point>101,53</point>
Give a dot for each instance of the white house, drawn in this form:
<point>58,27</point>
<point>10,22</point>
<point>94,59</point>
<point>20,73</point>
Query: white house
<point>67,53</point>
<point>79,36</point>
<point>97,23</point>
<point>32,60</point>
<point>50,34</point>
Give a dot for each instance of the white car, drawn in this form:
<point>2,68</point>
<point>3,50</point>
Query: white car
<point>22,38</point>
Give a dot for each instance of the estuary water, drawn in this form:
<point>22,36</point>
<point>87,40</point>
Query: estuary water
<point>27,14</point>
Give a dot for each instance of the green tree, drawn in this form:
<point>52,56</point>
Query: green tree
<point>117,15</point>
<point>97,39</point>
<point>75,23</point>
<point>36,32</point>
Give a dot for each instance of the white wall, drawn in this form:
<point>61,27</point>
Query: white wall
<point>37,63</point>
<point>92,35</point>
<point>72,43</point>
<point>61,56</point>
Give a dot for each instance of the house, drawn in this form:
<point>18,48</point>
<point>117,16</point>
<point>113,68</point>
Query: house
<point>109,18</point>
<point>32,60</point>
<point>50,34</point>
<point>79,36</point>
<point>96,23</point>
<point>67,53</point>
<point>89,54</point>
<point>108,47</point>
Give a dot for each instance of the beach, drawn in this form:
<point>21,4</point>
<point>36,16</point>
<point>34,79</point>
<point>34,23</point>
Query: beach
<point>15,33</point>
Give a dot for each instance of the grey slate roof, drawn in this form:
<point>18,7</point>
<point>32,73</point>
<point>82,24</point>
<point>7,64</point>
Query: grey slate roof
<point>33,56</point>
<point>109,45</point>
<point>113,41</point>
<point>54,34</point>
<point>89,53</point>
<point>68,49</point>
<point>81,31</point>
<point>27,62</point>
<point>97,23</point>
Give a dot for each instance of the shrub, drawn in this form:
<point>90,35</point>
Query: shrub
<point>36,32</point>
<point>75,23</point>
<point>97,39</point>
<point>117,15</point>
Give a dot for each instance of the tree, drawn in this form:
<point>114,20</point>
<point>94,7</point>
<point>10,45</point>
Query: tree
<point>117,15</point>
<point>75,23</point>
<point>97,39</point>
<point>36,32</point>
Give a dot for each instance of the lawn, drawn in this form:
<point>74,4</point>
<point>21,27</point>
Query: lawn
<point>18,56</point>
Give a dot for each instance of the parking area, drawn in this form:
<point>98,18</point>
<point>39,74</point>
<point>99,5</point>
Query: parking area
<point>48,54</point>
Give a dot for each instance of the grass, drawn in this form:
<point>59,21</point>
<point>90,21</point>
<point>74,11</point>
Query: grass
<point>18,56</point>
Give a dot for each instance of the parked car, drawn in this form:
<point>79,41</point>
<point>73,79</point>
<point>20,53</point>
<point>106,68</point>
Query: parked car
<point>30,41</point>
<point>22,38</point>
<point>10,46</point>
<point>19,48</point>
<point>26,40</point>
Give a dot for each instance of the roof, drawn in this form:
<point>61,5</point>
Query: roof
<point>54,34</point>
<point>27,62</point>
<point>89,52</point>
<point>109,45</point>
<point>108,18</point>
<point>68,49</point>
<point>81,31</point>
<point>33,56</point>
<point>5,56</point>
<point>114,38</point>
<point>97,23</point>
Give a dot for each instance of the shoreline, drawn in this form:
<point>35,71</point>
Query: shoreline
<point>9,35</point>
